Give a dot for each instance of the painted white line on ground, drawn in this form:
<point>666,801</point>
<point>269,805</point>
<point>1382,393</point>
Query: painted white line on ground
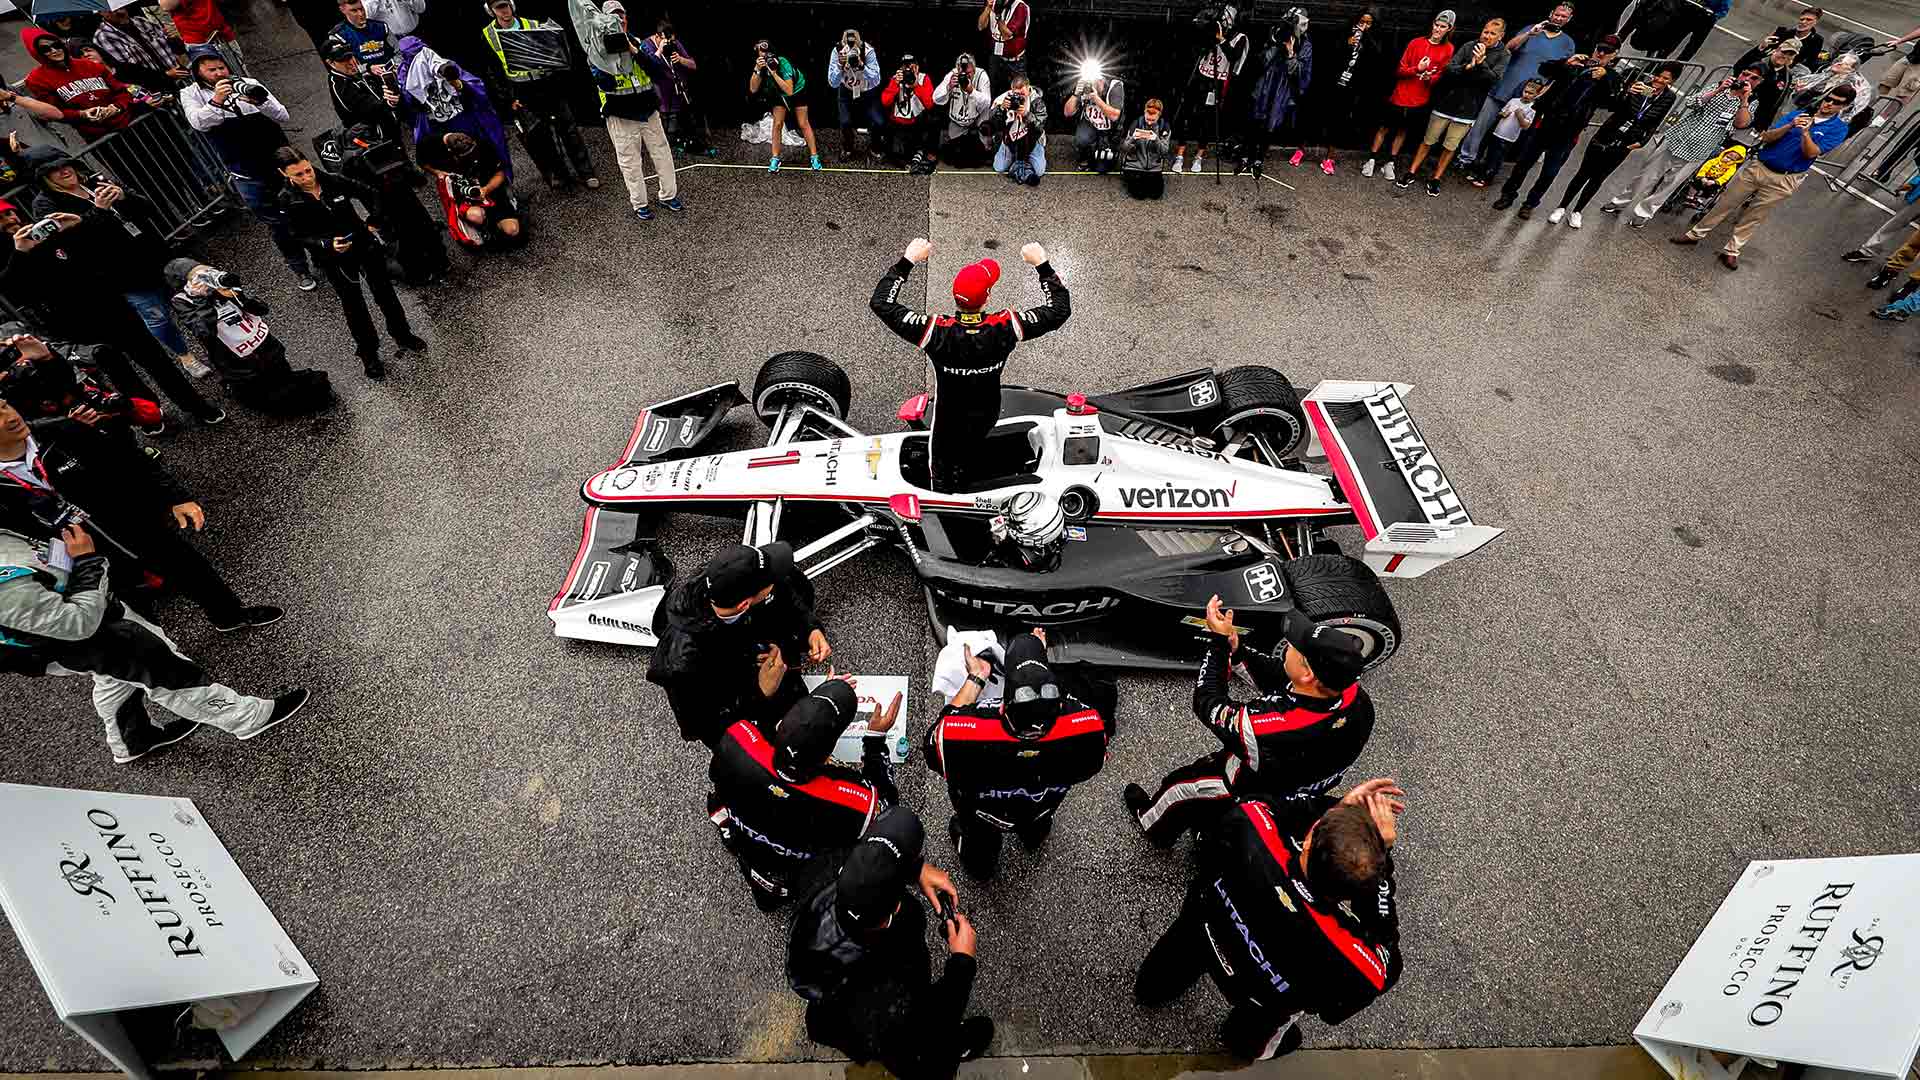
<point>1855,22</point>
<point>1731,34</point>
<point>1854,191</point>
<point>903,172</point>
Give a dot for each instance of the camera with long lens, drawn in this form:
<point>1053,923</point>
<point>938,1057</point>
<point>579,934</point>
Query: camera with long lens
<point>252,90</point>
<point>468,190</point>
<point>361,152</point>
<point>50,386</point>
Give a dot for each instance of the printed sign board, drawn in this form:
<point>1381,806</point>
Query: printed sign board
<point>1810,961</point>
<point>875,691</point>
<point>126,902</point>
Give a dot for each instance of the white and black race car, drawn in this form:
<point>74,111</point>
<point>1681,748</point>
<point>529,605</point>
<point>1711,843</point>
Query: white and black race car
<point>1109,519</point>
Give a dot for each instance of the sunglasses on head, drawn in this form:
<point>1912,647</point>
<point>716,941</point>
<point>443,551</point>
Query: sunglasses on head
<point>1027,695</point>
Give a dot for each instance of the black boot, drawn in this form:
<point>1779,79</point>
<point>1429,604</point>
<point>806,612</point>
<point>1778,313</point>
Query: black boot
<point>1905,290</point>
<point>373,365</point>
<point>1880,280</point>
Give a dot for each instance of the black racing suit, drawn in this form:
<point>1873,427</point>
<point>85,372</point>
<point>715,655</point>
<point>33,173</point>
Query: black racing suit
<point>873,997</point>
<point>1273,947</point>
<point>710,668</point>
<point>1280,746</point>
<point>1000,780</point>
<point>967,351</point>
<point>779,826</point>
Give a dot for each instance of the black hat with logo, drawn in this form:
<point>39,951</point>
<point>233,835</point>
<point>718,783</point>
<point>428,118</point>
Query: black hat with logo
<point>740,571</point>
<point>1335,656</point>
<point>879,868</point>
<point>805,736</point>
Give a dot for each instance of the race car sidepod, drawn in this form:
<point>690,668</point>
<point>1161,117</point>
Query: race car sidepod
<point>1413,517</point>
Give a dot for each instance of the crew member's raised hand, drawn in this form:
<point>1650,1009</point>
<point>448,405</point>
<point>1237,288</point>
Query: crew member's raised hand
<point>919,250</point>
<point>883,718</point>
<point>1034,254</point>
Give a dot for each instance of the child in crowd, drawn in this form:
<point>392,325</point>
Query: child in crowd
<point>1712,178</point>
<point>209,303</point>
<point>1516,117</point>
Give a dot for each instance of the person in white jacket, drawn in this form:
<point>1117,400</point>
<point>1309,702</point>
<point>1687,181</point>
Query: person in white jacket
<point>966,95</point>
<point>853,70</point>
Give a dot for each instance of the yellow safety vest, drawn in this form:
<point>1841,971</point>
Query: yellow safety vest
<point>514,74</point>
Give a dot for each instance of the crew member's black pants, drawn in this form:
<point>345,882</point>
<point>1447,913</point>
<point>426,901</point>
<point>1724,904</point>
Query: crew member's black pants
<point>978,841</point>
<point>1254,1030</point>
<point>1190,797</point>
<point>346,277</point>
<point>1595,166</point>
<point>959,428</point>
<point>555,144</point>
<point>110,321</point>
<point>1551,150</point>
<point>162,550</point>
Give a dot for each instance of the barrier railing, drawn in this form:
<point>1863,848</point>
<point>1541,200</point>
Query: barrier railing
<point>1866,140</point>
<point>1884,161</point>
<point>162,159</point>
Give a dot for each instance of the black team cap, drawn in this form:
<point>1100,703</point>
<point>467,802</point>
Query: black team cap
<point>1334,655</point>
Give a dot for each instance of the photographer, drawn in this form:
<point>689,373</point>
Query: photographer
<point>1787,153</point>
<point>853,70</point>
<point>474,193</point>
<point>86,93</point>
<point>1286,72</point>
<point>1098,103</point>
<point>686,129</point>
<point>1643,107</point>
<point>320,212</point>
<point>1581,85</point>
<point>1223,53</point>
<point>1020,116</point>
<point>243,118</point>
<point>624,74</point>
<point>910,127</point>
<point>252,362</point>
<point>779,84</point>
<point>48,379</point>
<point>858,955</point>
<point>58,617</point>
<point>359,96</point>
<point>1149,143</point>
<point>1006,23</point>
<point>537,103</point>
<point>967,95</point>
<point>134,507</point>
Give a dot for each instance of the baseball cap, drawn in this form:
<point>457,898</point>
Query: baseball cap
<point>974,281</point>
<point>336,50</point>
<point>1334,655</point>
<point>879,867</point>
<point>1447,17</point>
<point>7,204</point>
<point>1611,43</point>
<point>740,571</point>
<point>1791,45</point>
<point>805,736</point>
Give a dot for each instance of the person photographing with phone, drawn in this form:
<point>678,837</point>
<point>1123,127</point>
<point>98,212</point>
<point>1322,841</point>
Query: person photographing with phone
<point>1144,159</point>
<point>858,956</point>
<point>967,349</point>
<point>1701,130</point>
<point>1770,178</point>
<point>1580,85</point>
<point>1642,108</point>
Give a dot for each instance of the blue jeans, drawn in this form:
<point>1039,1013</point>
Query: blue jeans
<point>1003,157</point>
<point>158,315</point>
<point>259,198</point>
<point>1551,149</point>
<point>863,111</point>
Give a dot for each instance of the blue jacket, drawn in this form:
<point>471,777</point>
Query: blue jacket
<point>1282,85</point>
<point>369,43</point>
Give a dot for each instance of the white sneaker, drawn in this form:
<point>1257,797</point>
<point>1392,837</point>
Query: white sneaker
<point>1574,220</point>
<point>1179,160</point>
<point>1195,167</point>
<point>1367,169</point>
<point>193,366</point>
<point>1559,215</point>
<point>1386,171</point>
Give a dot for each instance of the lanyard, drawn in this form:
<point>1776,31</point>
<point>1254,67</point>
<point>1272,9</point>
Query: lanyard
<point>40,466</point>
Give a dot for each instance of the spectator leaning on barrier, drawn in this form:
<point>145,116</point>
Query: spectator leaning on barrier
<point>853,70</point>
<point>1642,109</point>
<point>1149,142</point>
<point>1581,85</point>
<point>142,82</point>
<point>1422,63</point>
<point>1456,104</point>
<point>87,94</point>
<point>1020,116</point>
<point>1775,173</point>
<point>686,130</point>
<point>1007,23</point>
<point>629,101</point>
<point>1701,130</point>
<point>140,42</point>
<point>1340,93</point>
<point>536,99</point>
<point>231,326</point>
<point>1097,103</point>
<point>967,95</point>
<point>911,125</point>
<point>1526,51</point>
<point>1286,72</point>
<point>202,25</point>
<point>243,120</point>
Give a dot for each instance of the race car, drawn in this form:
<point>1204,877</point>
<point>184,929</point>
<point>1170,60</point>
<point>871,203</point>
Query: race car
<point>1109,519</point>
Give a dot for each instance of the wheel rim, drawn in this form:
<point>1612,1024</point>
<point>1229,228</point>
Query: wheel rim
<point>768,405</point>
<point>1281,428</point>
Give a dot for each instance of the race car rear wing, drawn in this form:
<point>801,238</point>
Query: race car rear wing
<point>1413,518</point>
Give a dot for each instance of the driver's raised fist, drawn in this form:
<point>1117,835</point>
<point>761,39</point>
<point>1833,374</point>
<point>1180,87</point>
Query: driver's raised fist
<point>919,249</point>
<point>1034,254</point>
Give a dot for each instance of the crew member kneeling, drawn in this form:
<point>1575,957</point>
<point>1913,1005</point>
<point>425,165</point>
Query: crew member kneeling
<point>780,805</point>
<point>1296,740</point>
<point>727,634</point>
<point>1292,912</point>
<point>967,349</point>
<point>1010,766</point>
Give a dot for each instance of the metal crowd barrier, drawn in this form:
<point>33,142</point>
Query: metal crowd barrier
<point>160,158</point>
<point>1886,165</point>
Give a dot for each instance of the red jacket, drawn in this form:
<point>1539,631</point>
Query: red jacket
<point>907,110</point>
<point>1409,90</point>
<point>200,22</point>
<point>76,86</point>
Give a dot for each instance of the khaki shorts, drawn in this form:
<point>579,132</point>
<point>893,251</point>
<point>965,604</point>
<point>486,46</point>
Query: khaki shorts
<point>1447,133</point>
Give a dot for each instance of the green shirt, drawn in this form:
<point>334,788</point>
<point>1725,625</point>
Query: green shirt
<point>786,70</point>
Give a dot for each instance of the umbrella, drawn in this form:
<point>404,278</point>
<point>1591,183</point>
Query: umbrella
<point>53,9</point>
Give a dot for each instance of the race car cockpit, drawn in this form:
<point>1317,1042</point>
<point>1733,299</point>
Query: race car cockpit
<point>1010,455</point>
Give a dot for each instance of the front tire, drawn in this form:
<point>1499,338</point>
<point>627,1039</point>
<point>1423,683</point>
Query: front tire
<point>1343,592</point>
<point>1260,401</point>
<point>802,377</point>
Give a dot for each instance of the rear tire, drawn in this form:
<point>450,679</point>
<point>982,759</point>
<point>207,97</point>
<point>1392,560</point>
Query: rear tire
<point>801,376</point>
<point>1343,592</point>
<point>1260,401</point>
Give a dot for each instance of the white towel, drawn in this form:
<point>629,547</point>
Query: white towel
<point>950,668</point>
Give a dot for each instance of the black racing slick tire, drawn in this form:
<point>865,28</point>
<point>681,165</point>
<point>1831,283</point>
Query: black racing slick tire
<point>805,377</point>
<point>1260,401</point>
<point>1344,592</point>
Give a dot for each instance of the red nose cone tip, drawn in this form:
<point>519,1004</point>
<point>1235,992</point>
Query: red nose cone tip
<point>1077,405</point>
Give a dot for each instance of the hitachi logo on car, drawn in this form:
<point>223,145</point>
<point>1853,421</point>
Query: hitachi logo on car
<point>1175,498</point>
<point>1032,611</point>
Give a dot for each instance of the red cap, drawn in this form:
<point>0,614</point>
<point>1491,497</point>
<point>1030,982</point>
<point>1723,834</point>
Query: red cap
<point>7,204</point>
<point>972,284</point>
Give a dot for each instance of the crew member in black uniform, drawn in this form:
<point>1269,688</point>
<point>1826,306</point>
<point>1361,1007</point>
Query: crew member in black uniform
<point>1295,740</point>
<point>1292,912</point>
<point>727,634</point>
<point>780,804</point>
<point>858,955</point>
<point>967,349</point>
<point>1010,766</point>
